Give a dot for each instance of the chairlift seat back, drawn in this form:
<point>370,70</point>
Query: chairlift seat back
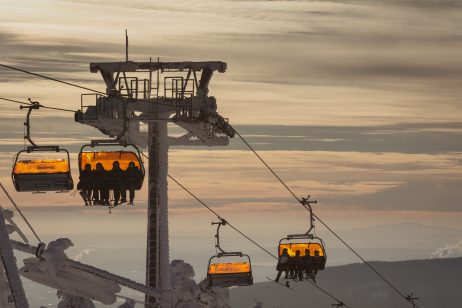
<point>228,274</point>
<point>106,158</point>
<point>42,175</point>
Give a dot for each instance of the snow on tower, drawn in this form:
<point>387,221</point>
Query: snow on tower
<point>177,93</point>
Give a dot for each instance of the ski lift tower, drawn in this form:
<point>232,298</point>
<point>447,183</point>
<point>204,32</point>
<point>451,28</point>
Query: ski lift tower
<point>157,93</point>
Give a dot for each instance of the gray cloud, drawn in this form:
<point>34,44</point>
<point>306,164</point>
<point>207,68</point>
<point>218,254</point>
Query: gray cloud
<point>424,193</point>
<point>418,138</point>
<point>349,42</point>
<point>409,53</point>
<point>49,56</point>
<point>402,138</point>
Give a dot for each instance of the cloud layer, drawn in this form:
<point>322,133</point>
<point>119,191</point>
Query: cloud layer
<point>336,62</point>
<point>356,102</point>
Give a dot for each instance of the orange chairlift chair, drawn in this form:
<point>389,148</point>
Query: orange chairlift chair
<point>44,174</point>
<point>305,242</point>
<point>228,273</point>
<point>107,157</point>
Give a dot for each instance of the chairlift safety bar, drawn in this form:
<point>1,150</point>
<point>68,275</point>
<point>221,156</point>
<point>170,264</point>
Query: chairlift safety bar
<point>94,143</point>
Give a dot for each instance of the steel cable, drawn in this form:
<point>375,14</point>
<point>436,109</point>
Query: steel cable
<point>20,212</point>
<point>40,105</point>
<point>248,145</point>
<point>322,222</point>
<point>242,233</point>
<point>51,78</point>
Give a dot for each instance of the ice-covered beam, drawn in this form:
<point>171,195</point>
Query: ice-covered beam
<point>130,66</point>
<point>108,69</point>
<point>9,263</point>
<point>95,271</point>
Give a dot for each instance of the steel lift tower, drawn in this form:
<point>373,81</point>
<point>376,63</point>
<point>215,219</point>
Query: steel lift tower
<point>157,93</point>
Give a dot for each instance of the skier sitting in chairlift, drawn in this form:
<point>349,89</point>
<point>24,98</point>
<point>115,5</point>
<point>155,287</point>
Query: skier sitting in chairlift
<point>132,177</point>
<point>115,182</point>
<point>100,189</point>
<point>308,265</point>
<point>85,185</point>
<point>282,265</point>
<point>319,262</point>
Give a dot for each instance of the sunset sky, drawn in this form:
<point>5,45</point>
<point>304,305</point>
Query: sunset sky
<point>357,103</point>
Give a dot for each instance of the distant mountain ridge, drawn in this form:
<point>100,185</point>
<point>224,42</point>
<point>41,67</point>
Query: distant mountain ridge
<point>437,282</point>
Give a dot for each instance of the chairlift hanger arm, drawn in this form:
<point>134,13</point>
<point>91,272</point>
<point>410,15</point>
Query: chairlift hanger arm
<point>32,106</point>
<point>217,234</point>
<point>307,203</point>
<point>223,253</point>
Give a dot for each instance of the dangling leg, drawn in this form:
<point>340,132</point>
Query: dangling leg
<point>105,195</point>
<point>84,197</point>
<point>291,272</point>
<point>89,192</point>
<point>286,276</point>
<point>116,195</point>
<point>132,195</point>
<point>310,273</point>
<point>123,193</point>
<point>96,196</point>
<point>278,276</point>
<point>86,194</point>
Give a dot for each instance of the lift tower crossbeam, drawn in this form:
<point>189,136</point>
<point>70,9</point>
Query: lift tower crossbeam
<point>177,94</point>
